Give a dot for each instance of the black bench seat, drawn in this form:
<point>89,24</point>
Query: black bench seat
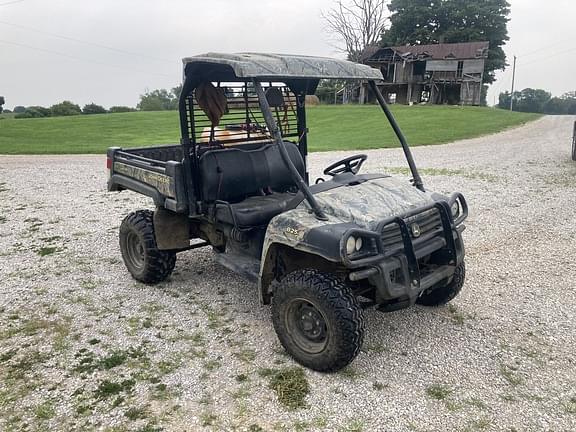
<point>233,181</point>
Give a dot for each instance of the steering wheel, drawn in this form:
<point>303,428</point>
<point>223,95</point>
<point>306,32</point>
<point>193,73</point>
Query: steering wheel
<point>351,164</point>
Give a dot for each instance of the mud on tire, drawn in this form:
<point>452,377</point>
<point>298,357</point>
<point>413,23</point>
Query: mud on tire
<point>318,320</point>
<point>442,294</point>
<point>139,251</point>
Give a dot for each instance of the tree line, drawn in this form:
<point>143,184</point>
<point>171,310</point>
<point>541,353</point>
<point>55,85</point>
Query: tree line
<point>539,101</point>
<point>155,100</point>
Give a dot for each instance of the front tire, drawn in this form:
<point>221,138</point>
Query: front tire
<point>318,320</point>
<point>145,262</point>
<point>442,294</point>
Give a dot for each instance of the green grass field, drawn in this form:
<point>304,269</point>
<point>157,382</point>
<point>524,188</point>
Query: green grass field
<point>331,128</point>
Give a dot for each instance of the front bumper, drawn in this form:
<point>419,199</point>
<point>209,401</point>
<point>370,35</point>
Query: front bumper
<point>400,271</point>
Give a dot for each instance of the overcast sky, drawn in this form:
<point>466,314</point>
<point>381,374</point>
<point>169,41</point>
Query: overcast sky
<point>111,51</point>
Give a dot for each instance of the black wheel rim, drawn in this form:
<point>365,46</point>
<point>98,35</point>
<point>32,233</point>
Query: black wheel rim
<point>307,326</point>
<point>135,250</point>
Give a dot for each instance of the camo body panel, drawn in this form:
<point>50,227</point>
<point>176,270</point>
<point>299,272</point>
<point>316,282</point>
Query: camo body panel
<point>364,205</point>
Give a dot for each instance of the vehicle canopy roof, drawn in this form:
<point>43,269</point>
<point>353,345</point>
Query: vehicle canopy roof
<point>274,67</point>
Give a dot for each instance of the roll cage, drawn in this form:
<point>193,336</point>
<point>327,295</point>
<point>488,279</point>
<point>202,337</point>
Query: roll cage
<point>244,77</point>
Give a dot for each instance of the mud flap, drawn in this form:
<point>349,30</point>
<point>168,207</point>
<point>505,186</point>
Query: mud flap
<point>172,230</point>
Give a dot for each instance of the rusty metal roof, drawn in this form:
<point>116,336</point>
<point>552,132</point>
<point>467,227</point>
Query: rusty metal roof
<point>277,66</point>
<point>464,50</point>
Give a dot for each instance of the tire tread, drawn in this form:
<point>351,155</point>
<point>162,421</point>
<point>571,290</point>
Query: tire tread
<point>159,264</point>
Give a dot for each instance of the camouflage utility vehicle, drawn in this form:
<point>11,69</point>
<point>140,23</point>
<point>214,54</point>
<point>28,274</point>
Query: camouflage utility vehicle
<point>238,182</point>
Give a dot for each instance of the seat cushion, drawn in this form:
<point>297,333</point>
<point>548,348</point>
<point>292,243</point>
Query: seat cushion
<point>233,174</point>
<point>256,210</point>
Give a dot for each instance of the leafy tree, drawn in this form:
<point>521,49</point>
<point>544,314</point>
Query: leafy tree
<point>504,100</point>
<point>2,102</point>
<point>571,95</point>
<point>34,112</point>
<point>531,100</point>
<point>537,101</point>
<point>451,21</point>
<point>92,108</point>
<point>65,108</point>
<point>121,109</point>
<point>565,104</point>
<point>327,89</point>
<point>19,109</point>
<point>158,100</point>
<point>176,91</point>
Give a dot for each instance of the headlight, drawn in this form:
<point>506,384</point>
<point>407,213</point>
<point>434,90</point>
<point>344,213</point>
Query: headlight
<point>455,209</point>
<point>359,246</point>
<point>354,245</point>
<point>351,245</point>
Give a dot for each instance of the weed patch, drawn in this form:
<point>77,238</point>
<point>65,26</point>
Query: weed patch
<point>570,406</point>
<point>136,413</point>
<point>107,389</point>
<point>438,391</point>
<point>457,316</point>
<point>291,386</point>
<point>47,250</point>
<point>45,411</point>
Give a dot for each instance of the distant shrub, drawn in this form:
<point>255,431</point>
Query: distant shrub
<point>7,111</point>
<point>121,109</point>
<point>93,109</point>
<point>34,112</point>
<point>65,108</point>
<point>19,109</point>
<point>159,100</point>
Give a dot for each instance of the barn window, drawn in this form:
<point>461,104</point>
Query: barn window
<point>460,69</point>
<point>419,68</point>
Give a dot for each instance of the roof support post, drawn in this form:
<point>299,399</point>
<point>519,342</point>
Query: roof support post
<point>407,153</point>
<point>188,142</point>
<point>277,136</point>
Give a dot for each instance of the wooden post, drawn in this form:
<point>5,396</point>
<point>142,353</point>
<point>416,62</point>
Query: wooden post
<point>362,96</point>
<point>512,90</point>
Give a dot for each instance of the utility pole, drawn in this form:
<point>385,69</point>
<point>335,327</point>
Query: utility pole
<point>512,91</point>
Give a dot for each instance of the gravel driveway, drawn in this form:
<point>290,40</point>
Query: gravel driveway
<point>85,347</point>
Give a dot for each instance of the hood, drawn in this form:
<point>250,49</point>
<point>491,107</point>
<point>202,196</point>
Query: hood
<point>368,203</point>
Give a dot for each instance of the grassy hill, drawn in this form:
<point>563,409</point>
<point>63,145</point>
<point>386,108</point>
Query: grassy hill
<point>331,128</point>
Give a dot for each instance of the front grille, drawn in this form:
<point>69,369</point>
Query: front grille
<point>428,221</point>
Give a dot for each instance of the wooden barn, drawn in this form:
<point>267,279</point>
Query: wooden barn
<point>436,74</point>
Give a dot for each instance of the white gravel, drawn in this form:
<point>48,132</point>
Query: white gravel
<point>503,352</point>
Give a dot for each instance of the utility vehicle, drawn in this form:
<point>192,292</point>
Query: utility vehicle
<point>239,183</point>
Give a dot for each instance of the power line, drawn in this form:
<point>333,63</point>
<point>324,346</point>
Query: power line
<point>545,47</point>
<point>547,57</point>
<point>81,59</point>
<point>84,42</point>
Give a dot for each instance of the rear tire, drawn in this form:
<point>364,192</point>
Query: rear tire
<point>318,320</point>
<point>139,251</point>
<point>442,294</point>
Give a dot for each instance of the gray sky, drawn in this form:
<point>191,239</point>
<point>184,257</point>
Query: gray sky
<point>150,37</point>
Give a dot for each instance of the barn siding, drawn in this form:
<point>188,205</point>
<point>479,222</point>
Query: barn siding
<point>442,65</point>
<point>473,66</point>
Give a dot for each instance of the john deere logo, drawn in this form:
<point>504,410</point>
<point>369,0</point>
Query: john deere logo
<point>415,228</point>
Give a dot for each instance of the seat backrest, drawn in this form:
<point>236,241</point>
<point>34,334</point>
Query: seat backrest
<point>232,174</point>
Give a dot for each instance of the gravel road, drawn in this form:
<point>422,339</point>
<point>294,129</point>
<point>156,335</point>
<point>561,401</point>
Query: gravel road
<point>85,347</point>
